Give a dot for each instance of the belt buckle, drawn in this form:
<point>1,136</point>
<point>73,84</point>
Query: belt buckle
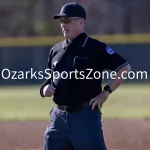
<point>71,108</point>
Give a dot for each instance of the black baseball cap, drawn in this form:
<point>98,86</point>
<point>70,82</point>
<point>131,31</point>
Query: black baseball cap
<point>71,10</point>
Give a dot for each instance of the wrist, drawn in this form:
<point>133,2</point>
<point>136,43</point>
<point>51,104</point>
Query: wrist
<point>106,93</point>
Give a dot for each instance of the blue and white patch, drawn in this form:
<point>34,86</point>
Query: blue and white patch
<point>109,50</point>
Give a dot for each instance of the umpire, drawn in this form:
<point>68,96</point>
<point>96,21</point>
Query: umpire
<point>75,65</point>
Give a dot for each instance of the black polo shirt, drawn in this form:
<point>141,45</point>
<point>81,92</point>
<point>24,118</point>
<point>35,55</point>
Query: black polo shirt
<point>78,73</point>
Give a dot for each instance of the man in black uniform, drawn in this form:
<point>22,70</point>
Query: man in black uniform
<point>76,63</point>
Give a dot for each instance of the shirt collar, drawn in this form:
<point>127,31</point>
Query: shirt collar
<point>80,40</point>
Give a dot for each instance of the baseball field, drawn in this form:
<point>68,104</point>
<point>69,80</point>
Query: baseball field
<point>24,116</point>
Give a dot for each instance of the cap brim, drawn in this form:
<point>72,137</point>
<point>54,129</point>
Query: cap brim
<point>59,16</point>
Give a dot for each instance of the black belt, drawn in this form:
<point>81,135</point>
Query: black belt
<point>75,107</point>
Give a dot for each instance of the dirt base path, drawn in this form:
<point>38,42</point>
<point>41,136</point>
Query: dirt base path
<point>119,135</point>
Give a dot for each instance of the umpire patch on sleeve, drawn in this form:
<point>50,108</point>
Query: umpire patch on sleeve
<point>109,50</point>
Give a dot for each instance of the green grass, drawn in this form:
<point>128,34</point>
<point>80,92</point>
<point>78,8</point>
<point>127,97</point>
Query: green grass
<point>129,101</point>
<point>25,103</point>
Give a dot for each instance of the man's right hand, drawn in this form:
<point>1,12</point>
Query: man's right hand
<point>48,90</point>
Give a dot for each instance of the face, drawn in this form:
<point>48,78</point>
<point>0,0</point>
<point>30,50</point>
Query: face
<point>71,27</point>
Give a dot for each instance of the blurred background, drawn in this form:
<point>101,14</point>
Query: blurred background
<point>33,17</point>
<point>27,33</point>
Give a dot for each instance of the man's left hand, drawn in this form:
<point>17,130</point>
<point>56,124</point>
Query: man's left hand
<point>99,99</point>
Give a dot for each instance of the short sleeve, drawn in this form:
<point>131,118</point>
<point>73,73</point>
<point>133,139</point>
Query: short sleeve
<point>112,60</point>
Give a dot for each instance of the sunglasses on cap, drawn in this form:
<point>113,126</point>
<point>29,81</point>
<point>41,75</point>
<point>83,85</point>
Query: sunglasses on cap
<point>68,20</point>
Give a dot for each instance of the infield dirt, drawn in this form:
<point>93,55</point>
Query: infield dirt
<point>119,134</point>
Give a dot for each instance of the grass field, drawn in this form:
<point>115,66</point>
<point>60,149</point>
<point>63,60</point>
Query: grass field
<point>25,103</point>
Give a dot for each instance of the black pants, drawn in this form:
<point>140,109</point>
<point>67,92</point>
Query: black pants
<point>81,130</point>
